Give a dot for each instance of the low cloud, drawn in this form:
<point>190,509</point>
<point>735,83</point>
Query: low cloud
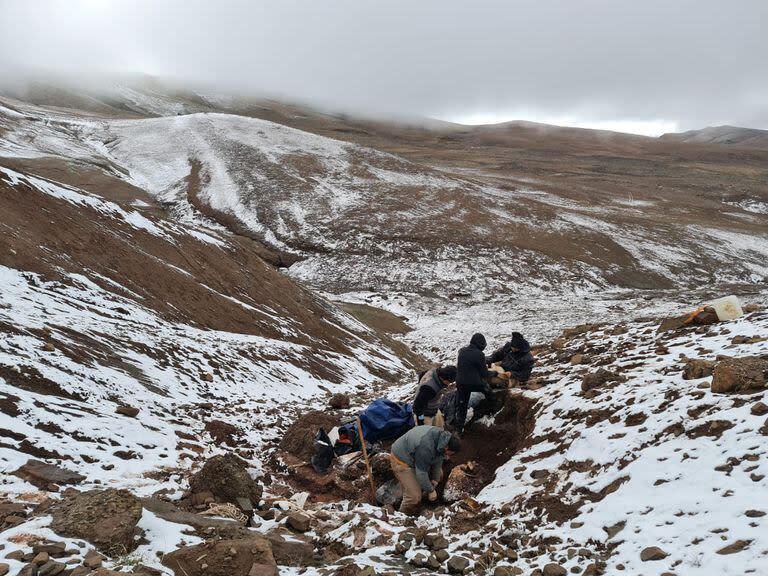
<point>687,63</point>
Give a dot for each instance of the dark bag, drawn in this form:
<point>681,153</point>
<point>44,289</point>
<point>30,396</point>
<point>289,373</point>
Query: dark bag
<point>324,455</point>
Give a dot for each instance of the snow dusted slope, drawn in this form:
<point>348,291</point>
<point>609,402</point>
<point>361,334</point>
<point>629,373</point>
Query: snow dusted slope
<point>103,306</point>
<point>356,218</point>
<point>655,460</point>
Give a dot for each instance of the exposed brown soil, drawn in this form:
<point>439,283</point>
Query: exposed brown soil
<point>47,235</point>
<point>493,446</point>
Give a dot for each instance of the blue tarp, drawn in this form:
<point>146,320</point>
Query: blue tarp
<point>385,420</point>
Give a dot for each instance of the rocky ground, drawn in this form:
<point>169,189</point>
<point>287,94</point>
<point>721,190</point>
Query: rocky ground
<point>633,449</point>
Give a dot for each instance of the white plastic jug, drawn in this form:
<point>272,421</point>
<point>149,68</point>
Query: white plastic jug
<point>727,307</point>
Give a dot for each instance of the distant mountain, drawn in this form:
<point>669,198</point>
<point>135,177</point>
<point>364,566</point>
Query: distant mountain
<point>728,135</point>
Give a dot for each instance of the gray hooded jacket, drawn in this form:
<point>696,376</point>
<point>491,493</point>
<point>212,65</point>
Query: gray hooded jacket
<point>423,449</point>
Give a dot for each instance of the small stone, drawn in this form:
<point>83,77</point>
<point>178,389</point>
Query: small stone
<point>759,409</point>
<point>553,569</point>
<point>4,569</point>
<point>754,513</point>
<point>298,521</point>
<point>457,564</point>
<point>93,560</point>
<point>207,377</point>
<point>734,547</point>
<point>48,347</point>
<point>41,558</point>
<point>54,549</point>
<point>652,553</point>
<point>435,542</point>
<point>129,411</point>
<point>51,568</point>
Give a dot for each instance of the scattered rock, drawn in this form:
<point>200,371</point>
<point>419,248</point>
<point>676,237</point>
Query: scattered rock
<point>222,432</point>
<point>129,411</point>
<point>759,409</point>
<point>106,518</point>
<point>46,476</point>
<point>4,569</point>
<point>652,553</point>
<point>339,401</point>
<point>740,374</point>
<point>695,369</point>
<point>734,547</point>
<point>579,359</point>
<point>601,377</point>
<point>553,569</point>
<point>93,560</point>
<point>298,521</point>
<point>51,568</point>
<point>457,564</point>
<point>435,541</point>
<point>226,477</point>
<point>244,557</point>
<point>754,513</point>
<point>207,377</point>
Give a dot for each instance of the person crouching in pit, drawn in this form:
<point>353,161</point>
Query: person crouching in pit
<point>426,404</point>
<point>417,462</point>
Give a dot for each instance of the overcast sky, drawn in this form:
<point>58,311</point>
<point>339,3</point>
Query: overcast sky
<point>645,66</point>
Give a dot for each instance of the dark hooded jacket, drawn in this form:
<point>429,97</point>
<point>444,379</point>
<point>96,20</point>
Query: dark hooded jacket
<point>515,357</point>
<point>471,369</point>
<point>423,449</point>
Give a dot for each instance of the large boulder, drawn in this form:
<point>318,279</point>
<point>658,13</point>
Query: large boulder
<point>226,477</point>
<point>245,557</point>
<point>105,518</point>
<point>740,374</point>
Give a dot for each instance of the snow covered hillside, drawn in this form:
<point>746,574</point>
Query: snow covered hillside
<point>105,307</point>
<point>355,218</point>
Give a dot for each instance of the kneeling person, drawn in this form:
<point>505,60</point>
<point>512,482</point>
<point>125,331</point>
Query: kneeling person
<point>426,405</point>
<point>417,462</point>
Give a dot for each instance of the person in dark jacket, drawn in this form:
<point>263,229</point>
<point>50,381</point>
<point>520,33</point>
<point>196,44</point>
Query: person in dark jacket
<point>515,358</point>
<point>426,404</point>
<point>417,462</point>
<point>471,376</point>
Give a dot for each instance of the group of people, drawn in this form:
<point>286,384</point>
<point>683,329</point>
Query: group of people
<point>417,456</point>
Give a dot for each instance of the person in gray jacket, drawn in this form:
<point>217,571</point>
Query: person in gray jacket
<point>417,462</point>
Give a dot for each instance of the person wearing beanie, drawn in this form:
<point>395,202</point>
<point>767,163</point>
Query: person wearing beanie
<point>417,462</point>
<point>426,404</point>
<point>471,376</point>
<point>514,358</point>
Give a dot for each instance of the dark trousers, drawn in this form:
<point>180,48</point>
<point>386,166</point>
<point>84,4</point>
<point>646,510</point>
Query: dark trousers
<point>462,401</point>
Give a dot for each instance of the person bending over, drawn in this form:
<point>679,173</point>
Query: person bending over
<point>417,462</point>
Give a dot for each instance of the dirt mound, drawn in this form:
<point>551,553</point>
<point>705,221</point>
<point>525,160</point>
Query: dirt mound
<point>247,557</point>
<point>105,518</point>
<point>226,477</point>
<point>299,439</point>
